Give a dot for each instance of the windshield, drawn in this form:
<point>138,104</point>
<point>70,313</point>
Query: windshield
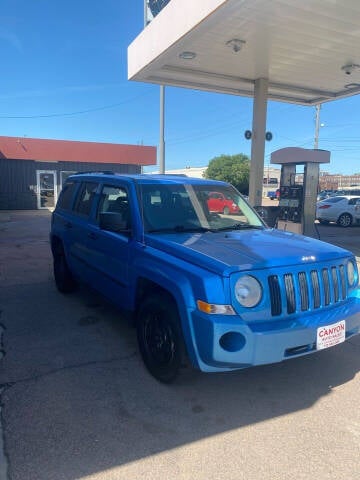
<point>195,208</point>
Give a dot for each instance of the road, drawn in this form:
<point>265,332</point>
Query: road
<point>77,403</point>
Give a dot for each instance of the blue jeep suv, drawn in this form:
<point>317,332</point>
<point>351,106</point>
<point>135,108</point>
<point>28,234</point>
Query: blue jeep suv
<point>224,291</point>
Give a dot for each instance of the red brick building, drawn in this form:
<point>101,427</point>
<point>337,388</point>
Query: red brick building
<point>336,181</point>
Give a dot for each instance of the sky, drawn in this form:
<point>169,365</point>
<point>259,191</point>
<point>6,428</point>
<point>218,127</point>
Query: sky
<point>64,76</point>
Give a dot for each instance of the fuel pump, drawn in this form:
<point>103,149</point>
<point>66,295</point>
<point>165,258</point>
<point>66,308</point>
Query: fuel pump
<point>298,189</point>
<point>291,201</point>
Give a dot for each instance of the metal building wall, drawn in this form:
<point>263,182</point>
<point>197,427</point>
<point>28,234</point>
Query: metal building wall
<point>17,185</point>
<point>18,179</point>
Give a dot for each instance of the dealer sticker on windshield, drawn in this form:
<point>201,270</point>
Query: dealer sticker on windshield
<point>330,335</point>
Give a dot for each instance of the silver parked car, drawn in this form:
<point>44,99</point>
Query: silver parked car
<point>357,211</point>
<point>339,209</point>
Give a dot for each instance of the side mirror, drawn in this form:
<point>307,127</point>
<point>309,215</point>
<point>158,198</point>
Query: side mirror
<point>114,222</point>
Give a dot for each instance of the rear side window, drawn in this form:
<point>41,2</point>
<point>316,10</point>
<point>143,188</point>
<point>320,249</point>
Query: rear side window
<point>66,196</point>
<point>85,199</point>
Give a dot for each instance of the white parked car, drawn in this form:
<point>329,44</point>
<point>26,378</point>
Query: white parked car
<point>339,209</point>
<point>357,211</point>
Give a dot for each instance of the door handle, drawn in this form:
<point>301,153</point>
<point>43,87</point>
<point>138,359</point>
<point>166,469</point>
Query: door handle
<point>92,235</point>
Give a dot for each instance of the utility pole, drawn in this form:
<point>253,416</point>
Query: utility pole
<point>317,126</point>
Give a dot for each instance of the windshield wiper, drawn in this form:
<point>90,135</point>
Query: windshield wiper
<point>240,226</point>
<point>180,229</point>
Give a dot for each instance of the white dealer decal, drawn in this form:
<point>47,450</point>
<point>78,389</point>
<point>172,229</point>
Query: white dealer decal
<point>330,335</point>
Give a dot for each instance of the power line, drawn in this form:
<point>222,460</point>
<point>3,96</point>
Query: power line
<point>79,112</point>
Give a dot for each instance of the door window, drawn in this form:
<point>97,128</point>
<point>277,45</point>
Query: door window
<point>114,199</point>
<point>46,188</point>
<point>85,198</point>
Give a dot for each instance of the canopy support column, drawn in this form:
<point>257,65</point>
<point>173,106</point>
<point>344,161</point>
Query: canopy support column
<point>258,141</point>
<point>161,153</point>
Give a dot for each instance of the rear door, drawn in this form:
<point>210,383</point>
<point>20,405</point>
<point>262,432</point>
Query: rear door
<point>78,228</point>
<point>354,209</point>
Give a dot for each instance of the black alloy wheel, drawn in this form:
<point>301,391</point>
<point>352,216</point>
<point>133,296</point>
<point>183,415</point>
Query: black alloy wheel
<point>159,337</point>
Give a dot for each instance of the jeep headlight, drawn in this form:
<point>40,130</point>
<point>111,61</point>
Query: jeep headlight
<point>351,273</point>
<point>248,291</point>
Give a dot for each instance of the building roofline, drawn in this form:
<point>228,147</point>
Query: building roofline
<point>46,150</point>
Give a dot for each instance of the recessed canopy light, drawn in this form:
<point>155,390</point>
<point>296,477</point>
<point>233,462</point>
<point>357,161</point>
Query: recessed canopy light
<point>187,55</point>
<point>352,85</point>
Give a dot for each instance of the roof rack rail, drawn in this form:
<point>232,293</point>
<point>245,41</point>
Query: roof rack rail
<point>172,174</point>
<point>104,172</point>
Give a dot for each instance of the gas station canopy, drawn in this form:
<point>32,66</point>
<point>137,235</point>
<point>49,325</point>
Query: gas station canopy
<point>308,51</point>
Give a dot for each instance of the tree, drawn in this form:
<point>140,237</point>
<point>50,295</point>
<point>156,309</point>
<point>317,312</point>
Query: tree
<point>234,169</point>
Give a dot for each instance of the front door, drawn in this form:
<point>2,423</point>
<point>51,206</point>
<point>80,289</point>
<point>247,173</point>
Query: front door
<point>46,188</point>
<point>108,253</point>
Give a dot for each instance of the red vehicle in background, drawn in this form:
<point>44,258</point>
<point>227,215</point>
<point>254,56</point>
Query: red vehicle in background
<point>219,203</point>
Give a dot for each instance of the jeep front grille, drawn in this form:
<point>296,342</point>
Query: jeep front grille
<point>306,290</point>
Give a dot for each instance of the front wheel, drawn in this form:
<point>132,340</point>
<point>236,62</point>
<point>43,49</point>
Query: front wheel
<point>345,220</point>
<point>159,337</point>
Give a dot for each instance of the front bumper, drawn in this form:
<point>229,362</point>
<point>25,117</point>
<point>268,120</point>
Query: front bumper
<point>227,343</point>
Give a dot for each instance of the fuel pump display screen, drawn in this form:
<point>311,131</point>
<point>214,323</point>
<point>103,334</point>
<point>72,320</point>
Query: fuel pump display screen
<point>284,192</point>
<point>296,192</point>
<point>291,202</point>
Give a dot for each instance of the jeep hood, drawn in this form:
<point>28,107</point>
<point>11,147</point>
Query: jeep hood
<point>228,252</point>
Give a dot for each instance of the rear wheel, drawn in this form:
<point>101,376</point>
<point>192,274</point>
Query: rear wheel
<point>226,211</point>
<point>159,337</point>
<point>64,280</point>
<point>345,220</point>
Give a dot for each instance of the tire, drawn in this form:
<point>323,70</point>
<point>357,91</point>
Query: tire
<point>345,220</point>
<point>64,280</point>
<point>159,337</point>
<point>226,211</point>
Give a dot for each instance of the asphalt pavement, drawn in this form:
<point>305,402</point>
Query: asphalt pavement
<point>77,403</point>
